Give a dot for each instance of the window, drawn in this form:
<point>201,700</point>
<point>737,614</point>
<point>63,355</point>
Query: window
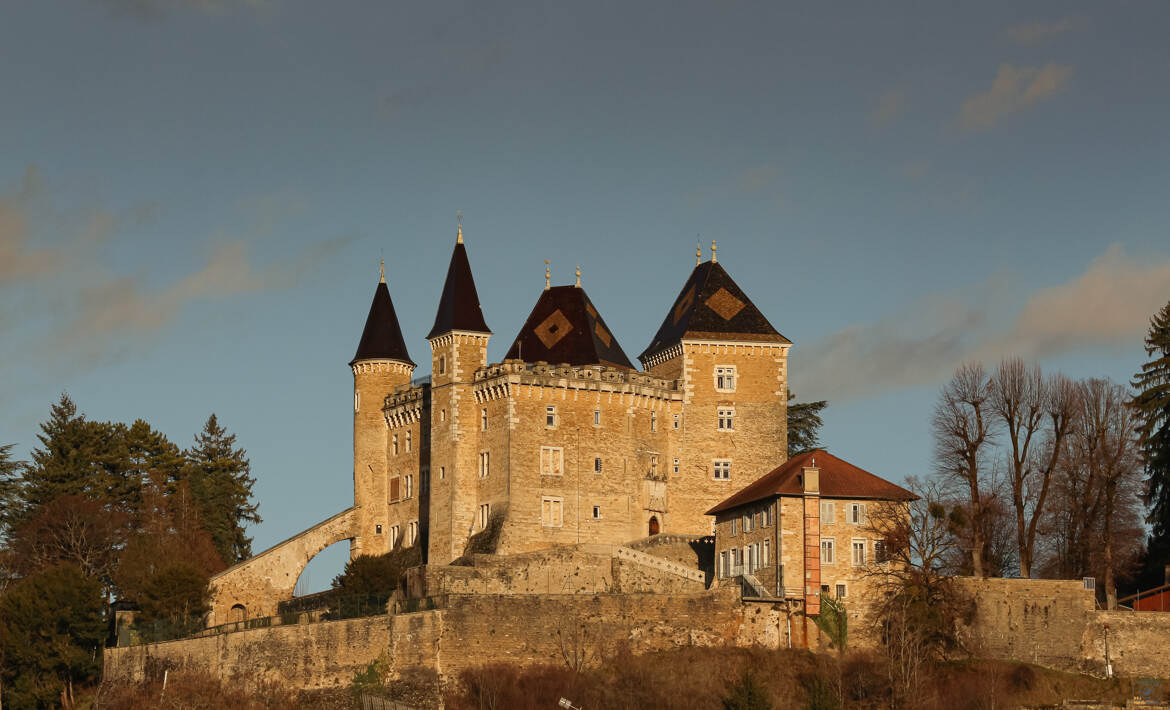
<point>395,488</point>
<point>747,522</point>
<point>551,512</point>
<point>442,415</point>
<point>767,554</point>
<point>858,553</point>
<point>826,551</point>
<point>769,514</point>
<point>597,465</point>
<point>674,468</point>
<point>734,526</point>
<point>550,416</point>
<point>840,591</point>
<point>442,364</point>
<point>677,421</point>
<point>357,400</point>
<point>485,463</point>
<point>722,469</point>
<point>377,529</point>
<point>408,442</point>
<point>725,378</point>
<point>724,564</point>
<point>485,512</point>
<point>442,472</point>
<point>653,465</point>
<point>409,487</point>
<point>828,512</point>
<point>856,514</point>
<point>413,531</point>
<point>596,417</point>
<point>597,512</point>
<point>394,531</point>
<point>483,419</point>
<point>394,444</point>
<point>824,590</point>
<point>726,419</point>
<point>653,421</point>
<point>552,460</point>
<point>880,554</point>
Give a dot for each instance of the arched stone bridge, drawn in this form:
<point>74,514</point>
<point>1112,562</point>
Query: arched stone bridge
<point>255,586</point>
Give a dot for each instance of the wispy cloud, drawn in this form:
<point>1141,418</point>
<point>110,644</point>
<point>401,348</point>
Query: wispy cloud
<point>1109,303</point>
<point>97,311</point>
<point>1037,32</point>
<point>155,9</point>
<point>889,106</point>
<point>1014,89</point>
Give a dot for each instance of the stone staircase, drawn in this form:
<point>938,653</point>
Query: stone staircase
<point>661,564</point>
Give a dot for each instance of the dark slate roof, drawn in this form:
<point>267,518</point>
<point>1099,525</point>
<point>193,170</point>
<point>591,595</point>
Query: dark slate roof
<point>838,479</point>
<point>459,305</point>
<point>382,337</point>
<point>565,327</point>
<point>711,306</point>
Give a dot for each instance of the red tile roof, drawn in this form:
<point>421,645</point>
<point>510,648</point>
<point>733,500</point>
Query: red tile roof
<point>839,479</point>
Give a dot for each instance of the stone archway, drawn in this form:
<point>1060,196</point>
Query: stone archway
<point>238,613</point>
<point>259,583</point>
<point>654,528</point>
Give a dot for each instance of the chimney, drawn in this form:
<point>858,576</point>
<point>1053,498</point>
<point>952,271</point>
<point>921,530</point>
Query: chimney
<point>810,478</point>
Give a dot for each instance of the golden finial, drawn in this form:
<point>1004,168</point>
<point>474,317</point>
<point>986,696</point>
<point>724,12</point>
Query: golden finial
<point>382,268</point>
<point>713,248</point>
<point>459,230</point>
<point>698,253</point>
<point>547,276</point>
<point>578,276</point>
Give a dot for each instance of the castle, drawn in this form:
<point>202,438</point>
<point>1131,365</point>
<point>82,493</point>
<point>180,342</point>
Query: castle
<point>563,442</point>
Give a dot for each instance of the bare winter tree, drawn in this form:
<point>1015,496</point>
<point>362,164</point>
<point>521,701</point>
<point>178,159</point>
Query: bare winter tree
<point>1036,415</point>
<point>964,430</point>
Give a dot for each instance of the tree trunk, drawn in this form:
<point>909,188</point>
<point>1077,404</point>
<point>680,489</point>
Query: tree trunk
<point>1110,585</point>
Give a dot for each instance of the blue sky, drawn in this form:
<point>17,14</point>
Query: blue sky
<point>194,195</point>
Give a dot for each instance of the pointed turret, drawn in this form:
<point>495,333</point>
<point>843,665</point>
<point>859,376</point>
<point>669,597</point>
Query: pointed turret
<point>382,337</point>
<point>711,306</point>
<point>459,305</point>
<point>565,327</point>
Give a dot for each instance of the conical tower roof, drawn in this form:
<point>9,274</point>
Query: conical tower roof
<point>459,305</point>
<point>711,306</point>
<point>382,337</point>
<point>565,327</point>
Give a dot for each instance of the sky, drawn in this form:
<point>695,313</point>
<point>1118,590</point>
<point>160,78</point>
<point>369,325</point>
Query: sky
<point>195,195</point>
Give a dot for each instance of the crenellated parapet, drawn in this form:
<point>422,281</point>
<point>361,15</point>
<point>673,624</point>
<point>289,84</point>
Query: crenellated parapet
<point>381,367</point>
<point>404,406</point>
<point>505,379</point>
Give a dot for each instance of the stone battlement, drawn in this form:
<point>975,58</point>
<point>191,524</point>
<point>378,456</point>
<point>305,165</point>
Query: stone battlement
<point>495,379</point>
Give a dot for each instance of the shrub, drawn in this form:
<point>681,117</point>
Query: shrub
<point>747,694</point>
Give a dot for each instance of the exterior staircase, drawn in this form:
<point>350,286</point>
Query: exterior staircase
<point>661,564</point>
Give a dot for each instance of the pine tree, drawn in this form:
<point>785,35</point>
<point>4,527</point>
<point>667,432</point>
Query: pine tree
<point>221,484</point>
<point>11,499</point>
<point>72,460</point>
<point>1152,404</point>
<point>804,425</point>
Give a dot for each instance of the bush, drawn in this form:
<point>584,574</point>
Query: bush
<point>747,694</point>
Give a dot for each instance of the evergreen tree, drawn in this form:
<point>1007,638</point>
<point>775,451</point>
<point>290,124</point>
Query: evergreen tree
<point>804,425</point>
<point>747,694</point>
<point>11,499</point>
<point>51,632</point>
<point>150,460</point>
<point>221,485</point>
<point>1152,405</point>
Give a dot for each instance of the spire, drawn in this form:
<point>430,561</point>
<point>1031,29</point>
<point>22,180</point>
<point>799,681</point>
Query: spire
<point>547,275</point>
<point>578,276</point>
<point>382,336</point>
<point>459,305</point>
<point>459,229</point>
<point>698,254</point>
<point>382,269</point>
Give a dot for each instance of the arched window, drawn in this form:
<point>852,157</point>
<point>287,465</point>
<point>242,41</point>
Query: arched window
<point>653,524</point>
<point>239,613</point>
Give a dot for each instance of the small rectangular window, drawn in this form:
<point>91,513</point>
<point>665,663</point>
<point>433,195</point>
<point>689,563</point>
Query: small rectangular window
<point>483,419</point>
<point>596,417</point>
<point>653,465</point>
<point>485,511</point>
<point>747,522</point>
<point>394,531</point>
<point>857,513</point>
<point>826,551</point>
<point>840,591</point>
<point>413,531</point>
<point>769,514</point>
<point>674,467</point>
<point>722,469</point>
<point>485,461</point>
<point>408,442</point>
<point>597,465</point>
<point>550,416</point>
<point>395,488</point>
<point>767,553</point>
<point>442,415</point>
<point>377,529</point>
<point>677,421</point>
<point>726,419</point>
<point>409,487</point>
<point>735,526</point>
<point>725,378</point>
<point>551,512</point>
<point>828,512</point>
<point>653,421</point>
<point>357,400</point>
<point>552,460</point>
<point>880,554</point>
<point>858,553</point>
<point>442,364</point>
<point>597,512</point>
<point>394,444</point>
<point>442,472</point>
